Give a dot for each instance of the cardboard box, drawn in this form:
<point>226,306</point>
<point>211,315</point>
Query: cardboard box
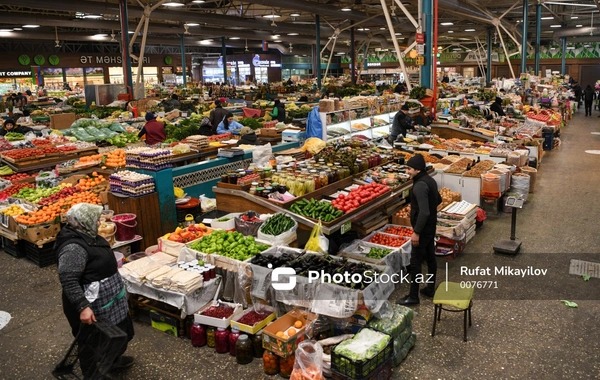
<point>74,179</point>
<point>37,233</point>
<point>450,248</point>
<point>62,120</point>
<point>164,323</point>
<point>252,329</point>
<point>401,221</point>
<point>286,347</point>
<point>215,322</point>
<point>361,316</point>
<point>270,132</point>
<point>293,135</point>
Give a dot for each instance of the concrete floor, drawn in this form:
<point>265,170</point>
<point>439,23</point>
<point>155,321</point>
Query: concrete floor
<point>520,330</point>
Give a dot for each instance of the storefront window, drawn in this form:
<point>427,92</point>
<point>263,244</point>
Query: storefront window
<point>53,77</point>
<point>212,74</point>
<point>74,75</point>
<point>94,75</point>
<point>261,74</point>
<point>149,75</point>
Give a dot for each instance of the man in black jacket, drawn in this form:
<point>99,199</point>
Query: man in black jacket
<point>401,124</point>
<point>423,216</point>
<point>217,115</point>
<point>497,107</point>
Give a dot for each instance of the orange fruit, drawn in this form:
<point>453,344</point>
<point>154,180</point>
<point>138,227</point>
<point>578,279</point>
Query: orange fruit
<point>291,331</point>
<point>279,334</point>
<point>298,324</point>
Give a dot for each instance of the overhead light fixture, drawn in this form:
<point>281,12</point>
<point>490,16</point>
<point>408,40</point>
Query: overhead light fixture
<point>206,42</point>
<point>547,18</point>
<point>31,26</point>
<point>450,31</point>
<point>578,26</point>
<point>571,4</point>
<point>555,26</point>
<point>131,32</point>
<point>574,17</point>
<point>398,34</point>
<point>587,45</point>
<point>16,29</point>
<point>552,48</point>
<point>382,28</point>
<point>92,16</point>
<point>292,34</point>
<point>277,41</point>
<point>5,30</point>
<point>197,1</point>
<point>234,38</point>
<point>345,9</point>
<point>271,16</point>
<point>191,24</point>
<point>186,27</point>
<point>99,36</point>
<point>294,14</point>
<point>173,4</point>
<point>447,23</point>
<point>469,30</point>
<point>570,47</point>
<point>275,36</point>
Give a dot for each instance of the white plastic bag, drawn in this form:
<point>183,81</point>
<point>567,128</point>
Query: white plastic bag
<point>207,204</point>
<point>309,361</point>
<point>283,239</point>
<point>261,155</point>
<point>520,185</point>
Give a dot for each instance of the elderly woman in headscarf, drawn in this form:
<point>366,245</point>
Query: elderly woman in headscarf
<point>93,289</point>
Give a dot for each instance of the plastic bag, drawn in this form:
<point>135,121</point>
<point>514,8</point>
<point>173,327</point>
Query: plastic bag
<point>207,204</point>
<point>309,362</point>
<point>261,155</point>
<point>520,185</point>
<point>30,136</point>
<point>284,238</point>
<point>317,241</point>
<point>181,148</point>
<point>401,354</point>
<point>117,127</point>
<point>248,227</point>
<point>400,320</point>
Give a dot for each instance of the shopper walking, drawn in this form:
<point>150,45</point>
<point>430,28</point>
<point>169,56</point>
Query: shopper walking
<point>588,99</point>
<point>217,115</point>
<point>578,93</point>
<point>423,216</point>
<point>92,288</point>
<point>401,124</point>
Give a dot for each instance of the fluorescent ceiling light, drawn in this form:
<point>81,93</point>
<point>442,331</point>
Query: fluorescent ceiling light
<point>447,23</point>
<point>552,48</point>
<point>5,30</point>
<point>295,14</point>
<point>271,16</point>
<point>173,4</point>
<point>100,35</point>
<point>469,30</point>
<point>570,47</point>
<point>398,34</point>
<point>578,26</point>
<point>547,18</point>
<point>362,29</point>
<point>450,31</point>
<point>555,26</point>
<point>131,32</point>
<point>345,9</point>
<point>277,41</point>
<point>206,42</point>
<point>192,24</point>
<point>15,29</point>
<point>92,16</point>
<point>382,28</point>
<point>571,4</point>
<point>234,38</point>
<point>341,53</point>
<point>31,26</point>
<point>292,34</point>
<point>587,45</point>
<point>574,17</point>
<point>197,1</point>
<point>275,36</point>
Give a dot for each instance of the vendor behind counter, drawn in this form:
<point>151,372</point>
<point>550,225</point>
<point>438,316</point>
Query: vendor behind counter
<point>10,125</point>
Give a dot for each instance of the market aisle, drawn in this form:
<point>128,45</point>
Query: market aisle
<point>530,338</point>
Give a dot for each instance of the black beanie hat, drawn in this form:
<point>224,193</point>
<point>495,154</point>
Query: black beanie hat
<point>404,107</point>
<point>416,162</point>
<point>150,116</point>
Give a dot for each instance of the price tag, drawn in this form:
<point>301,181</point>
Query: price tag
<point>405,193</point>
<point>161,114</point>
<point>184,114</point>
<point>346,227</point>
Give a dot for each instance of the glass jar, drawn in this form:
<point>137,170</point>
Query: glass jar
<point>233,338</point>
<point>198,335</point>
<point>346,170</point>
<point>205,272</point>
<point>270,363</point>
<point>286,366</point>
<point>355,168</point>
<point>330,176</point>
<point>244,351</point>
<point>211,336</point>
<point>267,173</point>
<point>315,177</point>
<point>300,186</point>
<point>323,179</point>
<point>336,173</point>
<point>257,345</point>
<point>222,340</point>
<point>224,178</point>
<point>213,271</point>
<point>252,190</point>
<point>309,184</point>
<point>233,178</point>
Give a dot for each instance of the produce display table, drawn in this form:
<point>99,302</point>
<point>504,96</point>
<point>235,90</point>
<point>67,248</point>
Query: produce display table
<point>187,303</point>
<point>35,165</point>
<point>448,132</point>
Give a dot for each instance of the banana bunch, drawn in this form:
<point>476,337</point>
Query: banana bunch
<point>13,210</point>
<point>6,170</point>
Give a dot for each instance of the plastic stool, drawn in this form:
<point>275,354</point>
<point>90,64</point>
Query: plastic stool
<point>456,297</point>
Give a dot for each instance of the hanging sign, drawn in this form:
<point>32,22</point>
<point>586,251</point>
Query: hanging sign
<point>420,61</point>
<point>420,38</point>
<point>421,49</point>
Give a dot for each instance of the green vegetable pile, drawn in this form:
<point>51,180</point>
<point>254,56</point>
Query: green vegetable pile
<point>378,253</point>
<point>418,92</point>
<point>278,224</point>
<point>251,123</point>
<point>123,139</point>
<point>229,244</point>
<point>471,112</point>
<point>316,209</point>
<point>36,195</point>
<point>400,321</point>
<point>14,136</point>
<point>186,128</point>
<point>487,96</point>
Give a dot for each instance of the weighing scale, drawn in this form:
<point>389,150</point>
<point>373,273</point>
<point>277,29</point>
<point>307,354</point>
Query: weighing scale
<point>512,246</point>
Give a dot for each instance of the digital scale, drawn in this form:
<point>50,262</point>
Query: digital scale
<point>512,246</point>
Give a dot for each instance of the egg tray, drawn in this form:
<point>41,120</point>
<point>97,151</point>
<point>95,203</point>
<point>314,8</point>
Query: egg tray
<point>133,162</point>
<point>138,189</point>
<point>133,194</point>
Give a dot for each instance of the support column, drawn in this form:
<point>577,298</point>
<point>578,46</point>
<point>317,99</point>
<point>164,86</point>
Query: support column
<point>127,80</point>
<point>563,61</point>
<point>538,36</point>
<point>224,55</point>
<point>183,63</point>
<point>318,52</point>
<point>352,54</point>
<point>426,74</point>
<point>524,37</point>
<point>488,72</point>
<point>365,61</point>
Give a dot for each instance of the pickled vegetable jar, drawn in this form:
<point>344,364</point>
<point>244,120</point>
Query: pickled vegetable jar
<point>198,335</point>
<point>233,337</point>
<point>244,351</point>
<point>257,345</point>
<point>270,363</point>
<point>286,366</point>
<point>222,340</point>
<point>211,336</point>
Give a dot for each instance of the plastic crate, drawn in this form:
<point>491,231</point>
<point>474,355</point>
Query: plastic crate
<point>101,346</point>
<point>362,370</point>
<point>384,372</point>
<point>14,249</point>
<point>42,256</point>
